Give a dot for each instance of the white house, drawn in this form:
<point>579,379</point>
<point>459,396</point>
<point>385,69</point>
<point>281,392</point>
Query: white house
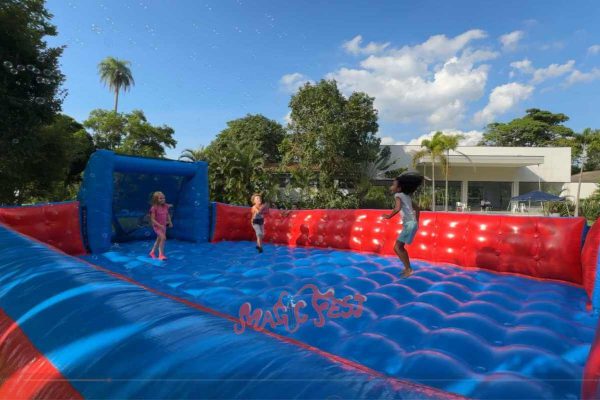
<point>494,174</point>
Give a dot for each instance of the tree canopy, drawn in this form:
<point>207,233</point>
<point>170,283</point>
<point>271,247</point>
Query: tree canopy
<point>129,133</point>
<point>30,95</point>
<point>538,128</point>
<point>330,133</point>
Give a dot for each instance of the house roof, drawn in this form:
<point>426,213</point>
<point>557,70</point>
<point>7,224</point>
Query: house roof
<point>587,177</point>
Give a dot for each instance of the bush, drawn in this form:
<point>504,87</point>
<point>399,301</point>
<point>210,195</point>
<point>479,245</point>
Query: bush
<point>377,197</point>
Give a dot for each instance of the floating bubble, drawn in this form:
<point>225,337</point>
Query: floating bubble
<point>30,67</point>
<point>36,71</point>
<point>40,100</point>
<point>47,72</point>
<point>197,203</point>
<point>18,83</point>
<point>39,79</point>
<point>92,175</point>
<point>14,71</point>
<point>40,58</point>
<point>7,64</point>
<point>15,141</point>
<point>105,235</point>
<point>96,29</point>
<point>21,68</point>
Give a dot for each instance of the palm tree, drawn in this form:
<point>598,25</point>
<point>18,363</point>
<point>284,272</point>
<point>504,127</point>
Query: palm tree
<point>585,142</point>
<point>450,142</point>
<point>433,149</point>
<point>192,155</point>
<point>116,75</point>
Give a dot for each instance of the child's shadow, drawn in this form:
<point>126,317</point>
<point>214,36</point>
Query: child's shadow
<point>304,238</point>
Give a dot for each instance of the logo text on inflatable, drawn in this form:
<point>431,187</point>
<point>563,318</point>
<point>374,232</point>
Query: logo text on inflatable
<point>289,313</point>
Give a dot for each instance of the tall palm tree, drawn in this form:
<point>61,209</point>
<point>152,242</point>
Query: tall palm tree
<point>116,75</point>
<point>434,149</point>
<point>194,155</point>
<point>450,142</point>
<point>585,142</point>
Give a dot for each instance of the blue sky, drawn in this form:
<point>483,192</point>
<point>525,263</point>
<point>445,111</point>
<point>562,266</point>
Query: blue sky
<point>448,65</point>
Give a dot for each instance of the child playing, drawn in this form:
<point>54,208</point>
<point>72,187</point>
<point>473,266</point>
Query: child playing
<point>402,187</point>
<point>257,220</point>
<point>160,218</point>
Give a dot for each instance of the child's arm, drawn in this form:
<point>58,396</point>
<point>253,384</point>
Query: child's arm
<point>169,221</point>
<point>396,209</point>
<point>417,210</point>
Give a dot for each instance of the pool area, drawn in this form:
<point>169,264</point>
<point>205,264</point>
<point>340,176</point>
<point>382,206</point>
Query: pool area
<point>471,332</point>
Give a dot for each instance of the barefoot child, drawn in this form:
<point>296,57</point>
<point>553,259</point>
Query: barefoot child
<point>258,220</point>
<point>402,187</point>
<point>160,218</point>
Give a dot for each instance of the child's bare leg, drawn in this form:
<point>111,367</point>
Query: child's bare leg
<point>161,246</point>
<point>403,256</point>
<point>154,247</point>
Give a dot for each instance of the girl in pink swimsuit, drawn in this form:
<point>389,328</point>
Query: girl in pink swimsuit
<point>159,215</point>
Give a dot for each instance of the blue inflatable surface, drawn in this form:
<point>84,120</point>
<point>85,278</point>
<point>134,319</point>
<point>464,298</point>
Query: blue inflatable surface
<point>112,339</point>
<point>472,333</point>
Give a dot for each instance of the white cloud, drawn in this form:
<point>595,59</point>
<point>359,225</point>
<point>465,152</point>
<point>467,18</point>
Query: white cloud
<point>432,82</point>
<point>540,75</point>
<point>552,71</point>
<point>502,99</point>
<point>578,76</point>
<point>291,82</point>
<point>470,138</point>
<point>510,41</point>
<point>353,46</point>
<point>523,66</point>
<point>288,118</point>
<point>595,49</point>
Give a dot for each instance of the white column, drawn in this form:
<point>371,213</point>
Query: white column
<point>464,193</point>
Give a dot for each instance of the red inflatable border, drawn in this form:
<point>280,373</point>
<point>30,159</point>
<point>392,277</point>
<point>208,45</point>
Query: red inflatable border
<point>589,258</point>
<point>56,224</point>
<point>539,247</point>
<point>25,373</point>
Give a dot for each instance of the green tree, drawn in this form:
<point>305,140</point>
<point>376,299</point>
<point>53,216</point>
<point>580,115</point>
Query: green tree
<point>264,133</point>
<point>192,155</point>
<point>537,128</point>
<point>30,95</point>
<point>330,133</point>
<point>64,148</point>
<point>117,75</point>
<point>236,170</point>
<point>584,143</point>
<point>145,139</point>
<point>433,149</point>
<point>450,142</point>
<point>129,133</point>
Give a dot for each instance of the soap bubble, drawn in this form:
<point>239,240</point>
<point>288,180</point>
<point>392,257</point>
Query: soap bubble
<point>21,68</point>
<point>7,64</point>
<point>15,141</point>
<point>36,71</point>
<point>30,67</point>
<point>18,83</point>
<point>40,100</point>
<point>47,72</point>
<point>14,71</point>
<point>39,79</point>
<point>40,58</point>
